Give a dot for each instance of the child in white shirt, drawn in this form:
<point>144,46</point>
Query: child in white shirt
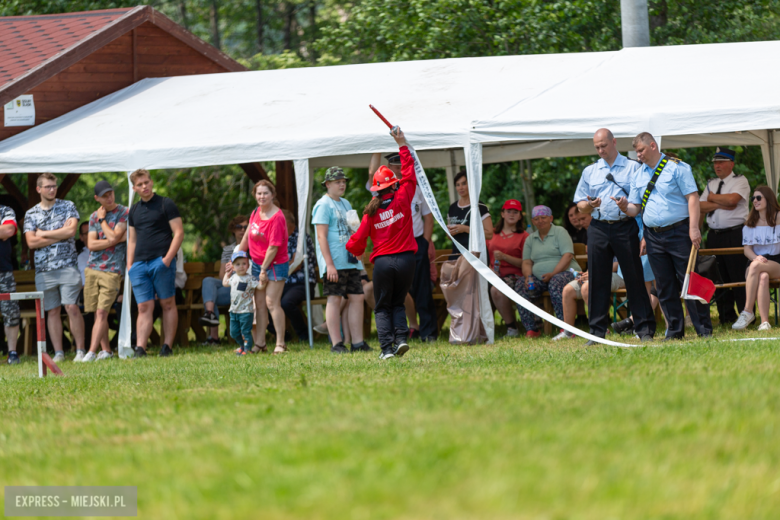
<point>242,306</point>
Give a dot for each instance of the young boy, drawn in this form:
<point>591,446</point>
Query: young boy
<point>242,307</point>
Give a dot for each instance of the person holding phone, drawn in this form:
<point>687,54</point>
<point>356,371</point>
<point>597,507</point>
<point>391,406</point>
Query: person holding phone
<point>612,234</point>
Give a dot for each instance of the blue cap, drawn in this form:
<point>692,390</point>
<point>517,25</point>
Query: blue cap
<point>239,254</point>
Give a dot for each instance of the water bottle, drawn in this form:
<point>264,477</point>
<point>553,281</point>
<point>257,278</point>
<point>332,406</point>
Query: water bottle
<point>496,265</point>
<point>529,229</point>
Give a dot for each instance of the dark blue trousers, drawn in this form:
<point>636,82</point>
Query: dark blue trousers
<point>605,242</point>
<point>393,276</point>
<point>421,291</point>
<point>668,252</point>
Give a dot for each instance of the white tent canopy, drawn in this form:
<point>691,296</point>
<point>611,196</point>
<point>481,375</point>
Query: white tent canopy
<point>458,111</point>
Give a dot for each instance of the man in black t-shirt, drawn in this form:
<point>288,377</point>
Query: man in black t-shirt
<point>154,234</point>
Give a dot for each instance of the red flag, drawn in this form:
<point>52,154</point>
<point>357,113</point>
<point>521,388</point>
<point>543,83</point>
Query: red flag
<point>700,288</point>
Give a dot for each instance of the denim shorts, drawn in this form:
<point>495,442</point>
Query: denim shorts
<point>277,272</point>
<point>152,277</point>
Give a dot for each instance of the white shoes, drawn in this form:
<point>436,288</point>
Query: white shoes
<point>745,319</point>
<point>512,332</point>
<point>322,328</point>
<point>563,335</point>
<point>765,326</point>
<point>89,356</point>
<point>79,356</point>
<point>59,356</point>
<point>104,355</point>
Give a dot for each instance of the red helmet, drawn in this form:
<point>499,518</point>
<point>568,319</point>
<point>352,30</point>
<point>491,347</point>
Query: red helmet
<point>383,178</point>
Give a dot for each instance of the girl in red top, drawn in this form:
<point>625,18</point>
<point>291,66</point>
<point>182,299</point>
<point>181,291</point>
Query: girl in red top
<point>266,240</point>
<point>506,247</point>
<point>387,219</point>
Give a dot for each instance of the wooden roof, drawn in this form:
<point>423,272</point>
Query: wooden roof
<point>36,48</point>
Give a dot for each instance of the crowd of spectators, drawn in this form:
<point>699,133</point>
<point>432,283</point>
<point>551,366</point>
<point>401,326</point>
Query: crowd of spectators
<point>615,214</point>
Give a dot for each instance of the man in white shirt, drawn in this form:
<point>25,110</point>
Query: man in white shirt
<point>724,202</point>
<point>422,225</point>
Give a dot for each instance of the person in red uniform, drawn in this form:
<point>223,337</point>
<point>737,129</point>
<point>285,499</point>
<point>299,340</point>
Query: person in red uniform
<point>387,220</point>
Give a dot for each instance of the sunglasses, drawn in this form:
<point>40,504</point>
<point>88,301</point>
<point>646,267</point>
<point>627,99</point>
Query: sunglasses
<point>758,198</point>
<point>241,226</point>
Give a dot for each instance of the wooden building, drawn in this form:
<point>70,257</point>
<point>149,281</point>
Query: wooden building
<point>69,60</point>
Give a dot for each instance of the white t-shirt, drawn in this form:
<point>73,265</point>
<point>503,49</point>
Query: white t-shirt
<point>726,218</point>
<point>242,292</point>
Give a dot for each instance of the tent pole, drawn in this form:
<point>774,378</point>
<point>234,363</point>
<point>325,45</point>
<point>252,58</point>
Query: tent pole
<point>308,292</point>
<point>771,177</point>
<point>451,170</point>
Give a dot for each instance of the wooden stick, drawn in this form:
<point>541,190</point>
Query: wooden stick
<point>690,260</point>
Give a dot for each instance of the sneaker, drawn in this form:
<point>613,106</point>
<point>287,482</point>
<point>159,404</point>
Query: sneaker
<point>89,356</point>
<point>59,357</point>
<point>209,319</point>
<point>387,353</point>
<point>623,326</point>
<point>414,334</point>
<point>139,352</point>
<point>564,335</point>
<point>533,334</point>
<point>210,342</point>
<point>512,332</point>
<point>745,319</point>
<point>165,351</point>
<point>765,326</point>
<point>401,349</point>
<point>79,356</point>
<point>361,347</point>
<point>104,355</point>
<point>339,348</point>
<point>241,352</point>
<point>13,358</point>
<point>431,339</point>
<point>322,328</point>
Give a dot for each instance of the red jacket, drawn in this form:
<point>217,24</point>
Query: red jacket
<point>390,228</point>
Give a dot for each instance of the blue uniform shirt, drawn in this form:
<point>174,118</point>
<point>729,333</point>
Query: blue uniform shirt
<point>667,203</point>
<point>594,183</point>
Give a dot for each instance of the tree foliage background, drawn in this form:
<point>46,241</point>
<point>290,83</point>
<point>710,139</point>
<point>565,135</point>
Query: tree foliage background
<point>267,34</point>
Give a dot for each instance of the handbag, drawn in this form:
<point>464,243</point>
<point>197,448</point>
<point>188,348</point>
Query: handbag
<point>707,266</point>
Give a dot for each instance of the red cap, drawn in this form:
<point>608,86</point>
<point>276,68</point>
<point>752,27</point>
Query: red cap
<point>383,178</point>
<point>512,204</point>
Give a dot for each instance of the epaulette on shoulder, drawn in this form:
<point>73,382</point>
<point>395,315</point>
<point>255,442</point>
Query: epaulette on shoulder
<point>674,159</point>
<point>632,159</point>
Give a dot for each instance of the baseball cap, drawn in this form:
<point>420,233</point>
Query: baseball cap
<point>239,254</point>
<point>512,204</point>
<point>102,187</point>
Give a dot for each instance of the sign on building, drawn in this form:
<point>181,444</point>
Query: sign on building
<point>20,111</point>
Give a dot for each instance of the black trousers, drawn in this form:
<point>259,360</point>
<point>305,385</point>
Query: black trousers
<point>292,296</point>
<point>668,252</point>
<point>732,270</point>
<point>421,291</point>
<point>393,275</point>
<point>605,242</point>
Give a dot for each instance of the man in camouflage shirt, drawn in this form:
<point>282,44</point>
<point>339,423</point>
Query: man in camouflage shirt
<point>49,228</point>
<point>9,309</point>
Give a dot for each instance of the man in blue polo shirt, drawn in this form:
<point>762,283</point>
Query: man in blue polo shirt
<point>671,219</point>
<point>611,234</point>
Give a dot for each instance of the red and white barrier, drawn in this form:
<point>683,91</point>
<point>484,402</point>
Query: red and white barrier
<point>43,358</point>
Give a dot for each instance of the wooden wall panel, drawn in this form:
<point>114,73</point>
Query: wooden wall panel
<point>110,68</point>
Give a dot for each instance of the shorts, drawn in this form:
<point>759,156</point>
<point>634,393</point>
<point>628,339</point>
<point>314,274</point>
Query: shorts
<point>60,287</point>
<point>349,283</point>
<point>151,277</point>
<point>100,289</point>
<point>10,309</point>
<point>277,272</point>
<point>617,283</point>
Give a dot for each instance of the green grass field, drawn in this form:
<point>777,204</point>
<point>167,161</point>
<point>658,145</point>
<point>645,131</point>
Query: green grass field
<point>522,429</point>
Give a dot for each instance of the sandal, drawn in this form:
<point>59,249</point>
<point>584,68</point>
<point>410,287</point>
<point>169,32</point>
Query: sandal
<point>259,348</point>
<point>280,349</point>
